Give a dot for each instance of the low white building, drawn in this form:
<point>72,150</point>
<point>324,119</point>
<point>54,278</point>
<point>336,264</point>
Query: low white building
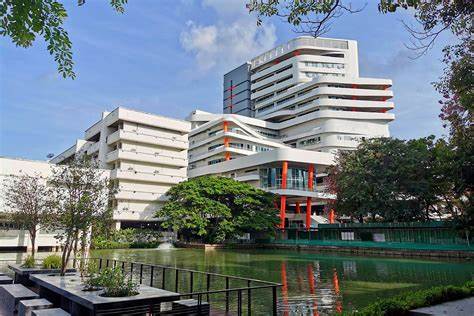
<point>10,236</point>
<point>146,155</point>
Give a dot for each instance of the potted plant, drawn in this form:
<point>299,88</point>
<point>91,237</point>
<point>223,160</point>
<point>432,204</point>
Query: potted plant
<point>50,265</point>
<point>112,281</point>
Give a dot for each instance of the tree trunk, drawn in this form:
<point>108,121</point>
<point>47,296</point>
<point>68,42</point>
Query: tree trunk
<point>76,241</point>
<point>33,242</point>
<point>63,256</point>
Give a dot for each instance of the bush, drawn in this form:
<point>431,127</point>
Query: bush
<point>52,262</point>
<point>144,244</point>
<point>127,238</point>
<point>115,283</point>
<point>402,304</point>
<point>29,262</point>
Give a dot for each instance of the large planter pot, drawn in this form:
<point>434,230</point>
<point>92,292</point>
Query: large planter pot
<point>22,274</point>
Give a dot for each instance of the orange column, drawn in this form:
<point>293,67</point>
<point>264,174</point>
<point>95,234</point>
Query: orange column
<point>308,199</point>
<point>226,126</point>
<point>283,197</point>
<point>298,210</point>
<point>332,216</point>
<point>282,211</point>
<point>284,173</point>
<point>308,213</point>
<point>226,145</point>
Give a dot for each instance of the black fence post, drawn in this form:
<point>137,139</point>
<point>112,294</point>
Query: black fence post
<point>152,271</point>
<point>208,286</point>
<point>100,264</point>
<point>249,299</point>
<point>107,263</point>
<point>176,281</point>
<point>239,302</point>
<point>141,273</point>
<point>227,294</point>
<point>131,271</point>
<point>123,266</point>
<point>163,283</point>
<point>191,282</point>
<point>274,289</point>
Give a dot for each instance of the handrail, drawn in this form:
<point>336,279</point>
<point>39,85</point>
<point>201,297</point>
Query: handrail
<point>240,290</point>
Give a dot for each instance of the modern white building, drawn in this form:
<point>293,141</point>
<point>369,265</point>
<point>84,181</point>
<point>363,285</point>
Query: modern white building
<point>146,155</point>
<point>286,113</point>
<point>12,238</point>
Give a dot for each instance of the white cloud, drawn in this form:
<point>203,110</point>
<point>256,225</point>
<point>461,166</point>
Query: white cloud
<point>230,41</point>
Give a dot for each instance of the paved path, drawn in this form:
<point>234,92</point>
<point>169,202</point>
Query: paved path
<point>463,307</point>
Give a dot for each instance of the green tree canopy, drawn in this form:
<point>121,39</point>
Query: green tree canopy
<point>393,179</point>
<point>218,208</point>
<point>24,20</point>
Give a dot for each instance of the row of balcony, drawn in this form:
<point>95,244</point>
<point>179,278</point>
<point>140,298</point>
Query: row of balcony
<point>146,157</point>
<point>147,139</point>
<point>146,176</point>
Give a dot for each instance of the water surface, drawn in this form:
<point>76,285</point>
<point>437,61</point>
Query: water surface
<point>312,283</point>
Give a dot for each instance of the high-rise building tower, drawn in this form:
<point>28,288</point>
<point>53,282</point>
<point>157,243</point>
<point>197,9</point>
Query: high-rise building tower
<point>286,113</point>
<point>237,91</point>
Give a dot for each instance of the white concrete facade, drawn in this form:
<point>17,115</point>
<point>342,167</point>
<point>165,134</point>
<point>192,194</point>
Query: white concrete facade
<point>145,153</point>
<point>10,236</point>
<point>307,102</point>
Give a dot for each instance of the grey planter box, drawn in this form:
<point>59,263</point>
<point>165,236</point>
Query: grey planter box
<point>22,275</point>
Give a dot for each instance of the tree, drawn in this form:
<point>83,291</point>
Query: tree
<point>393,179</point>
<point>27,204</point>
<point>24,20</point>
<point>218,208</point>
<point>315,16</point>
<point>456,85</point>
<point>81,195</point>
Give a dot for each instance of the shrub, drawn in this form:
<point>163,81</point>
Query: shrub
<point>116,283</point>
<point>127,238</point>
<point>52,262</point>
<point>29,262</point>
<point>402,304</point>
<point>144,244</point>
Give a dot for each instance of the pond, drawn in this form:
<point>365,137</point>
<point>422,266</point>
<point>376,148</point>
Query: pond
<point>312,283</point>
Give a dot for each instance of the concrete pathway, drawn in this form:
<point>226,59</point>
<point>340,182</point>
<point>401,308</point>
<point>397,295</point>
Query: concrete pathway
<point>464,307</point>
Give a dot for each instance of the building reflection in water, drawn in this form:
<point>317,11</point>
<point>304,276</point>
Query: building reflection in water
<point>319,295</point>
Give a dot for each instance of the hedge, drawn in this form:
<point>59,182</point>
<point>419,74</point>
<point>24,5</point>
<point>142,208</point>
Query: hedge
<point>401,304</point>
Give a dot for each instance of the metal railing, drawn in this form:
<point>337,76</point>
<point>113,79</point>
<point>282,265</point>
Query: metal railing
<point>224,293</point>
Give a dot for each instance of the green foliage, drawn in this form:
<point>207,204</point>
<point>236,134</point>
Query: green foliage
<point>23,21</point>
<point>26,204</point>
<point>29,262</point>
<point>217,208</point>
<point>80,195</point>
<point>401,305</point>
<point>392,179</point>
<point>52,262</point>
<point>115,283</point>
<point>92,280</point>
<point>127,238</point>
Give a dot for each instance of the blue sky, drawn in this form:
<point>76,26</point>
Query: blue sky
<point>168,57</point>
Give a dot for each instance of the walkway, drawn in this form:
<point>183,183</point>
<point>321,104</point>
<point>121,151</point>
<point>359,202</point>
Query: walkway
<point>463,307</point>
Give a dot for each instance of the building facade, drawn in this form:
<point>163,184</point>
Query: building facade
<point>306,102</point>
<point>11,237</point>
<point>146,155</point>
